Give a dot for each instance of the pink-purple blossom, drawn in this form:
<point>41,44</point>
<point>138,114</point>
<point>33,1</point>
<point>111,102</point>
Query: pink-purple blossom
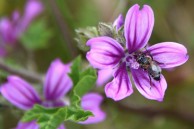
<point>56,85</point>
<point>107,53</point>
<point>12,28</point>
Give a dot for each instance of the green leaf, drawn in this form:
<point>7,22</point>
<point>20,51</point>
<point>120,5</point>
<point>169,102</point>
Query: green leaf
<point>89,71</point>
<point>51,118</point>
<point>86,82</point>
<point>82,87</point>
<point>76,74</point>
<point>75,70</point>
<point>36,36</point>
<point>83,81</point>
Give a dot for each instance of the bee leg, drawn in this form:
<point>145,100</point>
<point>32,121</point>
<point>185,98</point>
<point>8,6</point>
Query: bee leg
<point>147,52</point>
<point>150,81</point>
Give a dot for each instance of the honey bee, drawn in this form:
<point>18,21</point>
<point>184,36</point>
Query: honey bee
<point>147,63</point>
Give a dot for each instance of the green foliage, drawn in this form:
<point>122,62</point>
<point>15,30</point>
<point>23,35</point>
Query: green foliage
<point>36,36</point>
<point>75,68</point>
<point>87,79</point>
<point>51,118</point>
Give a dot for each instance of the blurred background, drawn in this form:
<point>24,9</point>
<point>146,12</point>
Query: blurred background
<point>53,36</point>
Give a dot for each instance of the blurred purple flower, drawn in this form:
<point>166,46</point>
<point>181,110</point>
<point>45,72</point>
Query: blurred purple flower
<point>92,102</point>
<point>12,29</point>
<point>56,85</point>
<point>107,53</point>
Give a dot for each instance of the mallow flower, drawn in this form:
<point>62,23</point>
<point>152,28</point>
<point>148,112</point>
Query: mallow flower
<point>56,85</point>
<point>12,28</point>
<point>142,61</point>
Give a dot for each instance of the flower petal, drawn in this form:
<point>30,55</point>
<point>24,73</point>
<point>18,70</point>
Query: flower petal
<point>92,102</point>
<point>20,93</point>
<point>57,81</point>
<point>28,125</point>
<point>169,54</point>
<point>3,51</point>
<point>121,86</point>
<point>53,103</point>
<point>15,16</point>
<point>118,23</point>
<point>149,87</point>
<point>105,52</point>
<point>104,75</point>
<point>61,127</point>
<point>7,32</point>
<point>32,9</point>
<point>138,27</point>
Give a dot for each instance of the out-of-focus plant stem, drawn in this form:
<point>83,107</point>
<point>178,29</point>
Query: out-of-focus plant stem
<point>152,112</point>
<point>63,27</point>
<point>21,72</point>
<point>30,62</point>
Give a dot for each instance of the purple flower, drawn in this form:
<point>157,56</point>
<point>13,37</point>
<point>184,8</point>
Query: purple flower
<point>145,63</point>
<point>57,83</point>
<point>104,75</point>
<point>12,29</point>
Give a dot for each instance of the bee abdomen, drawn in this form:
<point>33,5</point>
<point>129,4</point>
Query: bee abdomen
<point>154,71</point>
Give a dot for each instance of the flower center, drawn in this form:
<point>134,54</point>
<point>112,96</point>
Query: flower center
<point>144,61</point>
<point>130,61</point>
